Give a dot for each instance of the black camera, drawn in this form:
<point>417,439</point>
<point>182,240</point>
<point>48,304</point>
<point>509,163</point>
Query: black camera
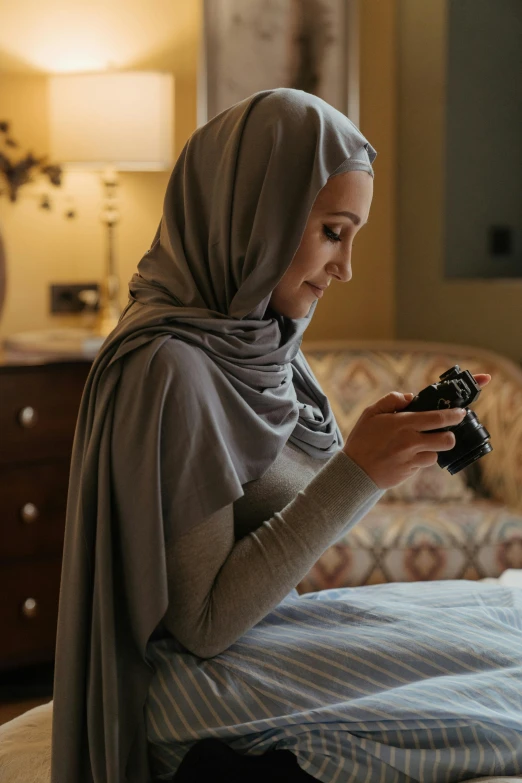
<point>456,389</point>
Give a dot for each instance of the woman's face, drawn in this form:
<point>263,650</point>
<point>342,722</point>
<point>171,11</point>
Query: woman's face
<point>340,210</point>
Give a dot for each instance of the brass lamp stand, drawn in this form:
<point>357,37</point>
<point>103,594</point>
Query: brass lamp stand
<point>110,309</point>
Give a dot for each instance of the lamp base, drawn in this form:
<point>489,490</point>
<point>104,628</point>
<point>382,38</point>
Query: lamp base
<point>110,310</point>
<point>107,320</point>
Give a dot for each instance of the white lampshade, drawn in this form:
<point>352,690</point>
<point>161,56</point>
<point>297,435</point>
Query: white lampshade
<point>122,120</point>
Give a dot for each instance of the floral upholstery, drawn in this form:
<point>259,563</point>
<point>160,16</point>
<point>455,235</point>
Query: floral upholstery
<point>434,525</point>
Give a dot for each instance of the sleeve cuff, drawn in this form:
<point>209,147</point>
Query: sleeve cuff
<point>341,487</point>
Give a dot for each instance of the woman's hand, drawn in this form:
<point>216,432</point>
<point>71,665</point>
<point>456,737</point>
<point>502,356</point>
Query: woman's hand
<point>391,444</point>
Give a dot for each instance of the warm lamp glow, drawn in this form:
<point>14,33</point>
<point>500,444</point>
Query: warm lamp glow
<point>112,119</point>
<point>62,36</point>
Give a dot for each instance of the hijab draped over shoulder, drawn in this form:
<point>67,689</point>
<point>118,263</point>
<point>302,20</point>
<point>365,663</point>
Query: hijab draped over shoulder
<point>220,386</point>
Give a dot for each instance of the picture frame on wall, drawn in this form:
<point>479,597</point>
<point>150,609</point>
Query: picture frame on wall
<point>253,45</point>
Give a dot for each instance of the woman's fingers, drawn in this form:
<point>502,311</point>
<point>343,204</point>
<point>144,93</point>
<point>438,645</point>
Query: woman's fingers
<point>482,378</point>
<point>425,421</point>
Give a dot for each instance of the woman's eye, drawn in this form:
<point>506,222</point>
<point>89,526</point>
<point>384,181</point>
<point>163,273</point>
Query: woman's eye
<point>331,235</point>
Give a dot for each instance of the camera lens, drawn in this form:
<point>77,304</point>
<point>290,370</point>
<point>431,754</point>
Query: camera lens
<point>469,458</point>
<point>471,443</point>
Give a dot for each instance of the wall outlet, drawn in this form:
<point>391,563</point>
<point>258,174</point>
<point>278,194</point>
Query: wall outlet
<point>65,297</point>
<point>500,240</point>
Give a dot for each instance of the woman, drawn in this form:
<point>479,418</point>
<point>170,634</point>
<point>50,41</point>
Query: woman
<point>209,474</point>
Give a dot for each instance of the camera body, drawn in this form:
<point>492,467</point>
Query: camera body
<point>456,389</point>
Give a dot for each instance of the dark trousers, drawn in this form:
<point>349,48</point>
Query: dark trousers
<point>211,761</point>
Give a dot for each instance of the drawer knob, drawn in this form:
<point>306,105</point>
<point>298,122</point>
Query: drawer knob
<point>28,417</point>
<point>29,513</point>
<point>30,608</point>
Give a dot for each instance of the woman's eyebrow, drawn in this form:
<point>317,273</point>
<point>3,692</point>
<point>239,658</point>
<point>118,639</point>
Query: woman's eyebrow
<point>353,217</point>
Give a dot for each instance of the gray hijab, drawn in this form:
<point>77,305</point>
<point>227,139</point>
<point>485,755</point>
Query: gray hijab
<point>200,336</point>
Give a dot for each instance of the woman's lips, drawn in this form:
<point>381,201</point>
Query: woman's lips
<point>317,291</point>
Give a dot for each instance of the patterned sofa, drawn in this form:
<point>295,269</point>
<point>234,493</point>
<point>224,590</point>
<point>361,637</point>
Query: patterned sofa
<point>434,525</point>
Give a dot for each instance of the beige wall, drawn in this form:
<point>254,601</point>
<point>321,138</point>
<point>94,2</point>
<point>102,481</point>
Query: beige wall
<point>366,306</point>
<point>485,313</point>
<point>44,247</point>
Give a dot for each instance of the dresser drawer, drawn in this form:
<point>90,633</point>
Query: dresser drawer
<point>29,593</point>
<point>38,410</point>
<point>32,511</point>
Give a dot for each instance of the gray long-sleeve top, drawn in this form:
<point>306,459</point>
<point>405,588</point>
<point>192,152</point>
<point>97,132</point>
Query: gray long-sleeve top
<point>235,567</point>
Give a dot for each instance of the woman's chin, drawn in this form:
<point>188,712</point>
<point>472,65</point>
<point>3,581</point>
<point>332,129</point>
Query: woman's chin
<point>293,310</point>
<point>297,313</point>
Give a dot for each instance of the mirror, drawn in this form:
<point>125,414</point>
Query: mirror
<point>483,204</point>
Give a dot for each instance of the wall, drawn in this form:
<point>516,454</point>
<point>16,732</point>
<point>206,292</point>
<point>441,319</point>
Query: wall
<point>43,247</point>
<point>484,312</point>
<point>365,308</point>
<point>484,136</point>
<point>36,39</point>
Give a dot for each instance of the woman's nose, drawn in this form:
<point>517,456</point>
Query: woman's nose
<point>342,270</point>
<point>346,272</point>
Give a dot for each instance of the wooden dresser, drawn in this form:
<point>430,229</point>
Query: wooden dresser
<point>38,408</point>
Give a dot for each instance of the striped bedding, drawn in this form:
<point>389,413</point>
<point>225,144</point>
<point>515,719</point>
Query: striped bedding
<point>377,684</point>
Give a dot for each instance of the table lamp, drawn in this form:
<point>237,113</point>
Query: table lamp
<point>109,122</point>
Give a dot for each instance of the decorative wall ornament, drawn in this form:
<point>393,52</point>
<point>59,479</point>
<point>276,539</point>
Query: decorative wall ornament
<point>310,45</point>
<point>21,171</point>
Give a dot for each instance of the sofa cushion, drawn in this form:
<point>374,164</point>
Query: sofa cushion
<point>432,483</point>
<point>420,541</point>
